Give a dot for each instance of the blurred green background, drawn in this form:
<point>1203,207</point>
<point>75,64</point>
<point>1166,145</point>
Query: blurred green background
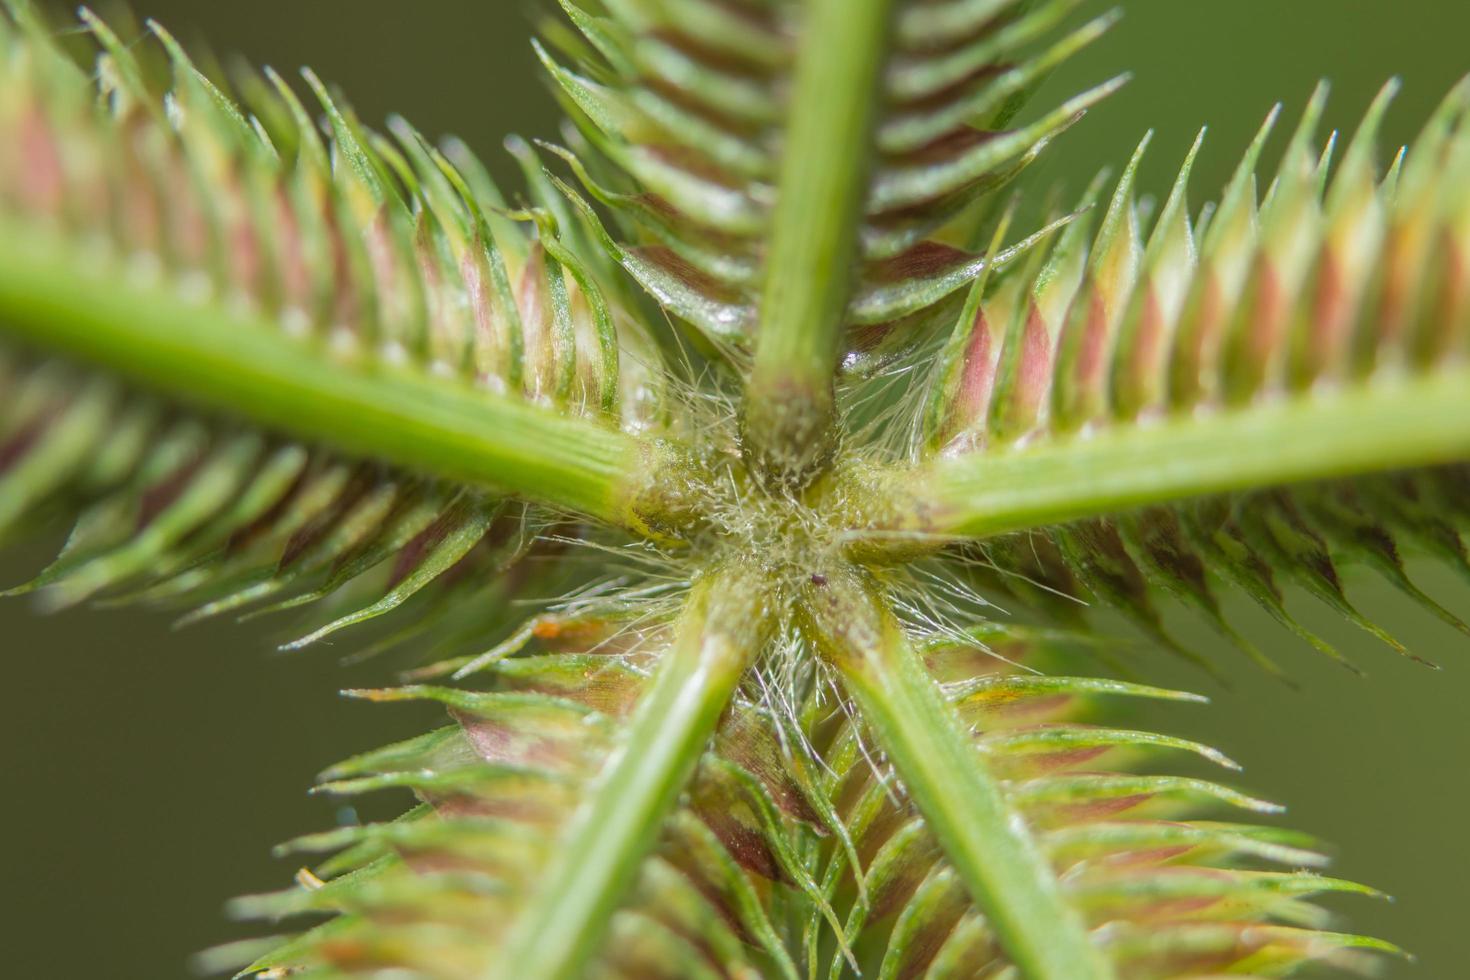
<point>147,773</point>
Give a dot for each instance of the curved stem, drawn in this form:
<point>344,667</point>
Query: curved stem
<point>54,300</point>
<point>983,838</point>
<point>1382,425</point>
<point>813,246</point>
<point>606,840</point>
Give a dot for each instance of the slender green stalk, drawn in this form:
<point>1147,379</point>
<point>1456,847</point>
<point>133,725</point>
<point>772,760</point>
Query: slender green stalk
<point>1385,425</point>
<point>990,848</point>
<point>813,243</point>
<point>53,300</point>
<point>720,632</point>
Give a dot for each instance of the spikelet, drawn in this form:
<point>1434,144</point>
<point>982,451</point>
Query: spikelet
<point>1330,278</point>
<point>384,249</point>
<point>1166,894</point>
<point>766,831</point>
<point>1334,279</point>
<point>435,892</point>
<point>678,110</point>
<point>382,253</point>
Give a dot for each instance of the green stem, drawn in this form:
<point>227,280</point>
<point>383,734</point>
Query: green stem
<point>610,835</point>
<point>1383,425</point>
<point>989,847</point>
<point>813,245</point>
<point>56,301</point>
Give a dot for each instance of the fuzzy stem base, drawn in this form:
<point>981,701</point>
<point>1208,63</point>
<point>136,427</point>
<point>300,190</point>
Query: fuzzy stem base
<point>809,271</point>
